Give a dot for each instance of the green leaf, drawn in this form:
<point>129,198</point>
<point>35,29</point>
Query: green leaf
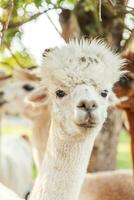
<point>38,2</point>
<point>9,35</point>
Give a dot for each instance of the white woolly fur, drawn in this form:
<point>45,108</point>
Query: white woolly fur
<point>83,61</point>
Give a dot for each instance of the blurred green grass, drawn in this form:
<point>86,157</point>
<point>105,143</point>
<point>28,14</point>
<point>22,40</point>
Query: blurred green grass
<point>124,151</point>
<point>13,125</point>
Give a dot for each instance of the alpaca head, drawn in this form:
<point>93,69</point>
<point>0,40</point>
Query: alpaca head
<point>125,86</point>
<point>14,93</point>
<point>13,96</point>
<point>79,78</point>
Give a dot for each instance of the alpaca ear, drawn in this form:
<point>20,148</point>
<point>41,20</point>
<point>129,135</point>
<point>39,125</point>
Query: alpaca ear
<point>25,74</point>
<point>26,138</point>
<point>47,51</point>
<point>114,100</point>
<point>4,76</point>
<point>39,97</point>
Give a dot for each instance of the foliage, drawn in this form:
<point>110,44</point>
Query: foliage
<point>17,59</point>
<point>102,18</point>
<point>15,13</point>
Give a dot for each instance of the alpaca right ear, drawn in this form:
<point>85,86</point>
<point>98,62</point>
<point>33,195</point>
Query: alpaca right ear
<point>4,76</point>
<point>115,101</point>
<point>39,97</point>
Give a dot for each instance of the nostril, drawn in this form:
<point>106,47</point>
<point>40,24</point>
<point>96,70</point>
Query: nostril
<point>82,105</point>
<point>93,105</point>
<point>87,105</point>
<point>1,93</point>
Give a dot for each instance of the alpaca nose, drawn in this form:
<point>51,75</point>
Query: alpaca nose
<point>87,105</point>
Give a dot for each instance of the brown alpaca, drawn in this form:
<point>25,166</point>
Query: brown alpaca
<point>125,87</point>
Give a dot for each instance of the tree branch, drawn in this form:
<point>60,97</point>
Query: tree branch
<point>53,25</point>
<point>5,26</point>
<point>100,10</point>
<point>129,7</point>
<point>127,28</point>
<point>128,12</point>
<point>112,2</point>
<point>15,25</point>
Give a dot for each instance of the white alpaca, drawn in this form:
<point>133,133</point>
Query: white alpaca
<point>15,154</point>
<point>12,102</point>
<point>79,78</point>
<point>108,185</point>
<point>16,164</point>
<point>16,161</point>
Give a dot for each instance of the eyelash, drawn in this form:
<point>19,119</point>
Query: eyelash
<point>60,93</point>
<point>104,93</point>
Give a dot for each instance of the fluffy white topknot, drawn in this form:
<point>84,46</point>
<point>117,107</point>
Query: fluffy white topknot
<point>82,61</point>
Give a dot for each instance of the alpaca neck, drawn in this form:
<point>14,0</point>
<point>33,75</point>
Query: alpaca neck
<point>64,166</point>
<point>41,126</point>
<point>130,115</point>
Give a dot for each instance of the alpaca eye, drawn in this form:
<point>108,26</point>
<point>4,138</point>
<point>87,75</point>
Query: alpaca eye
<point>60,93</point>
<point>28,87</point>
<point>104,93</point>
<point>125,81</point>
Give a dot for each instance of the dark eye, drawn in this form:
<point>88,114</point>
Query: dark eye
<point>125,81</point>
<point>104,93</point>
<point>28,87</point>
<point>60,93</point>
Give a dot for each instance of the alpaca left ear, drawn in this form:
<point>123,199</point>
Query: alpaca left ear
<point>25,74</point>
<point>47,51</point>
<point>39,97</point>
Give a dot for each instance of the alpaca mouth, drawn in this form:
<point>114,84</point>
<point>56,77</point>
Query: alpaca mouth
<point>85,125</point>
